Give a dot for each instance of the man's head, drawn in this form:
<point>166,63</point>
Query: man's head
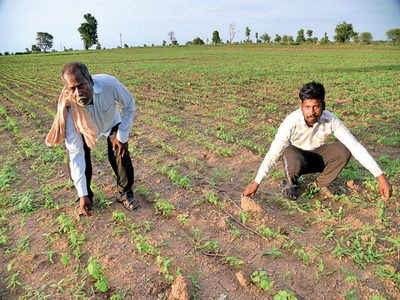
<point>312,97</point>
<point>78,81</point>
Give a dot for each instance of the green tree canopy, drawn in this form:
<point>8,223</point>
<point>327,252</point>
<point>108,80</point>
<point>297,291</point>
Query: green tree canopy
<point>247,32</point>
<point>198,41</point>
<point>300,36</point>
<point>309,33</point>
<point>215,37</point>
<point>88,31</point>
<point>366,37</point>
<point>277,38</point>
<point>44,40</point>
<point>344,31</point>
<point>35,49</point>
<point>394,35</point>
<point>266,38</point>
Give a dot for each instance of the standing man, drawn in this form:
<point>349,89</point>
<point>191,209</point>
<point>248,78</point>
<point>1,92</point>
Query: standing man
<point>302,138</point>
<point>87,109</point>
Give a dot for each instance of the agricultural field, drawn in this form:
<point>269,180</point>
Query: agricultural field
<point>205,119</point>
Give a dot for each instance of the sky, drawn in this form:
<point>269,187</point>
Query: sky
<point>148,22</point>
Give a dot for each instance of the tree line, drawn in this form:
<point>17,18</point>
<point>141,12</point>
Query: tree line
<point>344,32</point>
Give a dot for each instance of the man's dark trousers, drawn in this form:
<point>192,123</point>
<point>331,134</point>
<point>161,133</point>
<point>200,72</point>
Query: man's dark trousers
<point>329,160</point>
<point>122,165</point>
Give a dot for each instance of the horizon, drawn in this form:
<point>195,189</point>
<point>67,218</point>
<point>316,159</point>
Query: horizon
<point>151,21</point>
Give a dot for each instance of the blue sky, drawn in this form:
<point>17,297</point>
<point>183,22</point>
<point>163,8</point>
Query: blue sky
<point>150,21</point>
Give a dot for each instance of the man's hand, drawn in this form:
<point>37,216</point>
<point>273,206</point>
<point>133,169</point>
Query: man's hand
<point>119,147</point>
<point>251,189</point>
<point>85,205</point>
<point>384,187</point>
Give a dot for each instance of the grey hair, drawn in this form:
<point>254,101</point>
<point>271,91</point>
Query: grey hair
<point>73,67</point>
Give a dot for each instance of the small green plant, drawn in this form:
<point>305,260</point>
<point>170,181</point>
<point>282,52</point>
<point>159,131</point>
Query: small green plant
<point>285,295</point>
<point>233,261</point>
<point>119,217</point>
<point>64,259</point>
<point>7,176</point>
<point>97,272</point>
<point>273,252</point>
<point>260,279</point>
<point>163,208</point>
<point>182,218</point>
<point>164,264</point>
<point>142,191</point>
<point>212,198</point>
<point>244,216</point>
<point>12,281</point>
<point>211,246</point>
<point>143,246</point>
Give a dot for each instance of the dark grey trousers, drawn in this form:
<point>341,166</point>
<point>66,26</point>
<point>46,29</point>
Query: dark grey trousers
<point>328,160</point>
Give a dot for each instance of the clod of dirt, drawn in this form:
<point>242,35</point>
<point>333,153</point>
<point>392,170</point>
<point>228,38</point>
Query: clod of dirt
<point>249,204</point>
<point>180,290</point>
<point>242,279</point>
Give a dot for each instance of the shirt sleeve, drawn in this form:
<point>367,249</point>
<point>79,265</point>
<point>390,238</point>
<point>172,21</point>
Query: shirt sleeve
<point>123,96</point>
<point>343,134</point>
<point>280,143</point>
<point>74,144</point>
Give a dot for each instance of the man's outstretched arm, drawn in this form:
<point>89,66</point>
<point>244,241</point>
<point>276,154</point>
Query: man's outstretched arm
<point>280,143</point>
<point>361,154</point>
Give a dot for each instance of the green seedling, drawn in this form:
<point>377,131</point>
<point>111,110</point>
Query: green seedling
<point>260,279</point>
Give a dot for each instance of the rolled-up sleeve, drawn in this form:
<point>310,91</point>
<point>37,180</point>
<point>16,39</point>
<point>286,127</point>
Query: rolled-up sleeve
<point>123,96</point>
<point>280,143</point>
<point>74,144</point>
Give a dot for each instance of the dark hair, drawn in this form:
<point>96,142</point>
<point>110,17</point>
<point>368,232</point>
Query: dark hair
<point>313,90</point>
<point>74,67</point>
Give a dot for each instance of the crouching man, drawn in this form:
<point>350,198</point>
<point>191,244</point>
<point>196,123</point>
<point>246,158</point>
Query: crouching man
<point>302,139</point>
<point>88,108</point>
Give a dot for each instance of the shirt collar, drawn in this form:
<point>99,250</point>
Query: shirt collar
<point>97,88</point>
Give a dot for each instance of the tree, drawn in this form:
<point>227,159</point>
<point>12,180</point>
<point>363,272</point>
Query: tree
<point>88,31</point>
<point>300,36</point>
<point>198,41</point>
<point>232,33</point>
<point>309,33</point>
<point>366,37</point>
<point>277,38</point>
<point>35,49</point>
<point>290,39</point>
<point>266,38</point>
<point>394,35</point>
<point>247,32</point>
<point>325,39</point>
<point>164,42</point>
<point>215,37</point>
<point>44,40</point>
<point>98,46</point>
<point>344,31</point>
<point>285,39</point>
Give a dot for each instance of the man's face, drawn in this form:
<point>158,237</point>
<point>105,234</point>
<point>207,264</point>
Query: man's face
<point>312,110</point>
<point>80,87</point>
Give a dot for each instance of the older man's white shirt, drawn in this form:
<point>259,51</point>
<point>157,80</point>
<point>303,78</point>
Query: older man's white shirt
<point>107,93</point>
